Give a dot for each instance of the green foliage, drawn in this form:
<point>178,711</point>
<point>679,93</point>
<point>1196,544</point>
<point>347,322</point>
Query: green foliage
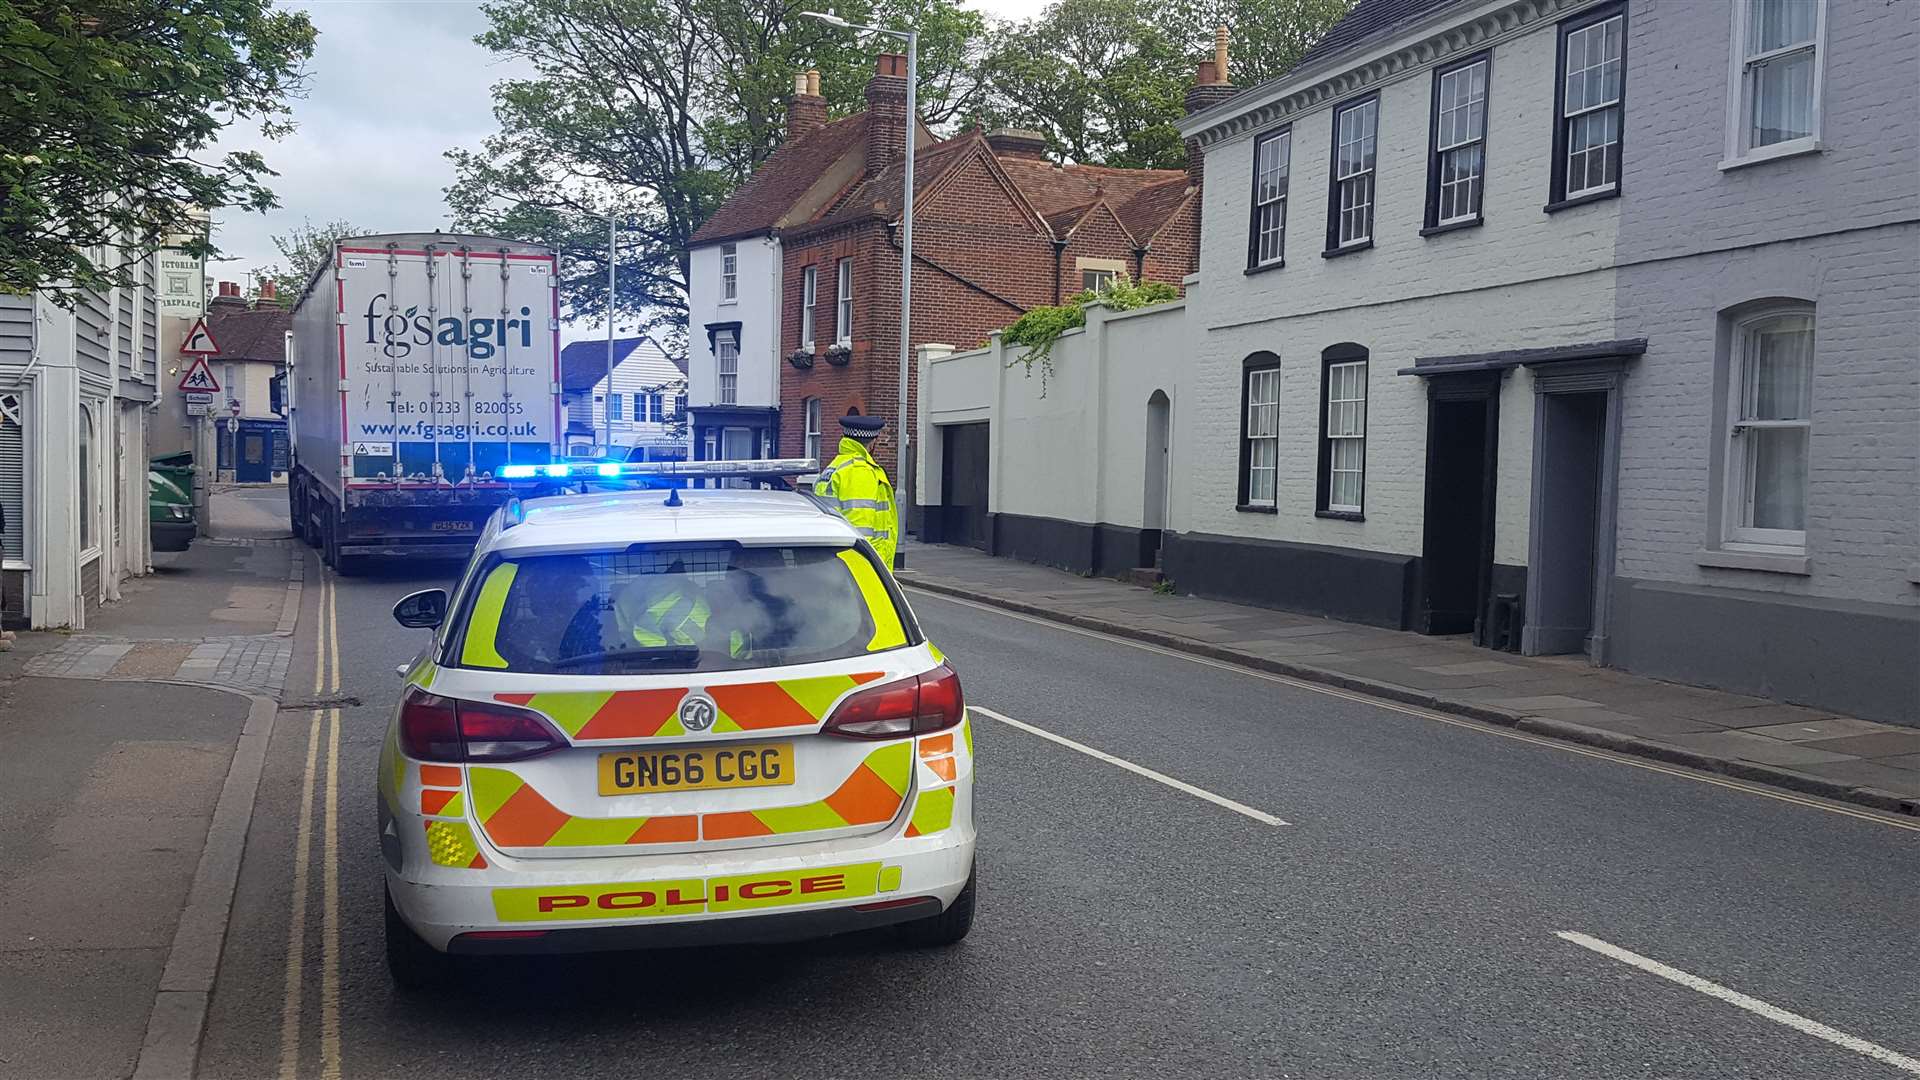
<point>654,111</point>
<point>306,249</point>
<point>106,110</point>
<point>1164,587</point>
<point>1039,329</point>
<point>1106,80</point>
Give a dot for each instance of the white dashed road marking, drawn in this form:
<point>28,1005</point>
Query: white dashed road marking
<point>1741,1001</point>
<point>1158,777</point>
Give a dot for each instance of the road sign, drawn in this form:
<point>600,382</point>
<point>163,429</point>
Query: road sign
<point>198,402</point>
<point>199,378</point>
<point>199,341</point>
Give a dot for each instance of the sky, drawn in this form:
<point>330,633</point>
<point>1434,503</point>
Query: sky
<point>392,86</point>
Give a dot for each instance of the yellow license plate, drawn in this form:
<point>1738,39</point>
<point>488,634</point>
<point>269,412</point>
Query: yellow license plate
<point>638,772</point>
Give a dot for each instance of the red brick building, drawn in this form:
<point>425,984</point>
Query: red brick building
<point>998,229</point>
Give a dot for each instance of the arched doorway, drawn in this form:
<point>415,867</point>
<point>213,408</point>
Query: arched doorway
<point>1159,449</point>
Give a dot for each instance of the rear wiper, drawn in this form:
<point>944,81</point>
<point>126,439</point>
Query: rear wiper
<point>663,655</point>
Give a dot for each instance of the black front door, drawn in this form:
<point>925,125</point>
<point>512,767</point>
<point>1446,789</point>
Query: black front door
<point>1457,548</point>
<point>963,485</point>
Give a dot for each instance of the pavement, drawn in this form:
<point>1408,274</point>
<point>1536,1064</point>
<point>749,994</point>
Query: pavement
<point>126,784</point>
<point>1811,750</point>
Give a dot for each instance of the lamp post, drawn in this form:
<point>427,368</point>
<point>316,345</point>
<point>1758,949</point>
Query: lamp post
<point>912,38</point>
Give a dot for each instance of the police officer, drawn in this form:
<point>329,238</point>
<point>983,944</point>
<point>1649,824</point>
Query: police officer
<point>858,487</point>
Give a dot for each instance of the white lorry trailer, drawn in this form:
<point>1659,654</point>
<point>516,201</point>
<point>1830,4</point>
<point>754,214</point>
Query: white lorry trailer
<point>425,390</point>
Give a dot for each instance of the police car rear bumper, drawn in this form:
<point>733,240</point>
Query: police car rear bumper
<point>586,905</point>
<point>754,930</point>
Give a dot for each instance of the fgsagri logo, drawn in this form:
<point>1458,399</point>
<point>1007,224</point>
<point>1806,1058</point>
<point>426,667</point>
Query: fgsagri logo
<point>397,332</point>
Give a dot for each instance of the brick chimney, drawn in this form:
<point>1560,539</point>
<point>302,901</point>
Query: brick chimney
<point>266,298</point>
<point>229,297</point>
<point>886,113</point>
<point>1210,87</point>
<point>806,109</point>
<point>1018,143</point>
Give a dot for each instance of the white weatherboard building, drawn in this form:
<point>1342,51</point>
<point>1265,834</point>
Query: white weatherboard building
<point>1584,327</point>
<point>77,388</point>
<point>641,405</point>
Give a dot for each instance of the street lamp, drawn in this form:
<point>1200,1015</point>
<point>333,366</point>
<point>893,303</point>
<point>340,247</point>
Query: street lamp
<point>912,38</point>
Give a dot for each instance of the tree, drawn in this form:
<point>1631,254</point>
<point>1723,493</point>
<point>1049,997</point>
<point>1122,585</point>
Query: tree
<point>106,109</point>
<point>1106,80</point>
<point>306,249</point>
<point>652,111</point>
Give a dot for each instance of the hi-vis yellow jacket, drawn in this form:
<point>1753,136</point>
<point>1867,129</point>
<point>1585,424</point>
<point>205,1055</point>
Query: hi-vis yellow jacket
<point>858,487</point>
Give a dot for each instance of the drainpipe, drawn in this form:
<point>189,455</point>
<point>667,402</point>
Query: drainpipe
<point>1059,252</point>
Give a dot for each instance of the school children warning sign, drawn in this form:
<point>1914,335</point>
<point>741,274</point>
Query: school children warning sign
<point>199,378</point>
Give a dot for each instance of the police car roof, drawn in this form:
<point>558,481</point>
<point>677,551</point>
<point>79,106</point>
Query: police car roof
<point>615,519</point>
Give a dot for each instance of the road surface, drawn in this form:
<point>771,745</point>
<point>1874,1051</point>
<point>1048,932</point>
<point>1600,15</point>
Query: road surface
<point>1186,869</point>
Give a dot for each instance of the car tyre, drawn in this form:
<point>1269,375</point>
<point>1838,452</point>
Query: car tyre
<point>414,965</point>
<point>946,928</point>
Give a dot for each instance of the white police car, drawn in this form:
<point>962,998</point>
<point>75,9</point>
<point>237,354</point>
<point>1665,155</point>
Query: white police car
<point>654,718</point>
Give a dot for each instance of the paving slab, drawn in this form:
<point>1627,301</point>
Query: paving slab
<point>1882,744</point>
<point>1833,727</point>
<point>1744,747</point>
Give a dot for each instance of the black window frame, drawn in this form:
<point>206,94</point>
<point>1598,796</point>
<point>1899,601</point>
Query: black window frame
<point>1253,203</point>
<point>1257,362</point>
<point>1345,352</point>
<point>1333,248</point>
<point>1431,223</point>
<point>1557,183</point>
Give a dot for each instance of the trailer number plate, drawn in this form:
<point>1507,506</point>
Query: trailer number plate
<point>453,526</point>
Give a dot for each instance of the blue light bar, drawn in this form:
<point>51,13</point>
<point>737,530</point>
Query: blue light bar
<point>759,468</point>
<point>561,469</point>
<point>608,469</point>
<point>516,472</point>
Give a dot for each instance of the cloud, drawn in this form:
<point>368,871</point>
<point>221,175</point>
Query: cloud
<point>391,88</point>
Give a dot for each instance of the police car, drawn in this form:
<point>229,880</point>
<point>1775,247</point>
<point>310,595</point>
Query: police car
<point>654,718</point>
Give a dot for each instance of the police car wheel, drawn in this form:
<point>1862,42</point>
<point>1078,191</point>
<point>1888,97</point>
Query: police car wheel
<point>414,964</point>
<point>946,928</point>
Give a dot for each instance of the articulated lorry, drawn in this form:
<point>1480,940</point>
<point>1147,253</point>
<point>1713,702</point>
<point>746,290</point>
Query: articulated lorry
<point>425,390</point>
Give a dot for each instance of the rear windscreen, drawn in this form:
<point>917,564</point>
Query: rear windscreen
<point>679,608</point>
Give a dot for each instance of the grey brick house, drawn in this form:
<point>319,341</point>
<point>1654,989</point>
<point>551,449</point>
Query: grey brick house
<point>1592,325</point>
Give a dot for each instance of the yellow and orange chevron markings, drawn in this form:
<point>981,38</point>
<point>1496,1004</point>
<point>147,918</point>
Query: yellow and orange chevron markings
<point>514,815</point>
<point>653,714</point>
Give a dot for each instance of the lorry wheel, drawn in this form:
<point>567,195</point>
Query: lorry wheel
<point>415,965</point>
<point>946,928</point>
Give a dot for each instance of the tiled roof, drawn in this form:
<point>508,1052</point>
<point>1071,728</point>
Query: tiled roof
<point>757,205</point>
<point>1369,19</point>
<point>1147,213</point>
<point>250,334</point>
<point>1054,188</point>
<point>584,363</point>
<point>880,195</point>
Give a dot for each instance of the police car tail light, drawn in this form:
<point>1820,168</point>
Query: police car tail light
<point>499,733</point>
<point>434,728</point>
<point>928,702</point>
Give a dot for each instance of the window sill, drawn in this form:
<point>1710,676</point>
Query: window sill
<point>1789,149</point>
<point>1350,249</point>
<point>1436,230</point>
<point>1248,508</point>
<point>729,303</point>
<point>1264,267</point>
<point>1913,573</point>
<point>1582,200</point>
<point>1341,515</point>
<point>1765,562</point>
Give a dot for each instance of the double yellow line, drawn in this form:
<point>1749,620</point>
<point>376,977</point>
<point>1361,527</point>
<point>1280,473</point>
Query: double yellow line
<point>322,723</point>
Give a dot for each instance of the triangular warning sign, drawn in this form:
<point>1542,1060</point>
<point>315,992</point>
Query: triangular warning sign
<point>199,341</point>
<point>199,378</point>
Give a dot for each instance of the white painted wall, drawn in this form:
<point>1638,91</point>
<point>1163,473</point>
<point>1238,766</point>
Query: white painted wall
<point>756,308</point>
<point>1074,450</point>
<point>1522,279</point>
